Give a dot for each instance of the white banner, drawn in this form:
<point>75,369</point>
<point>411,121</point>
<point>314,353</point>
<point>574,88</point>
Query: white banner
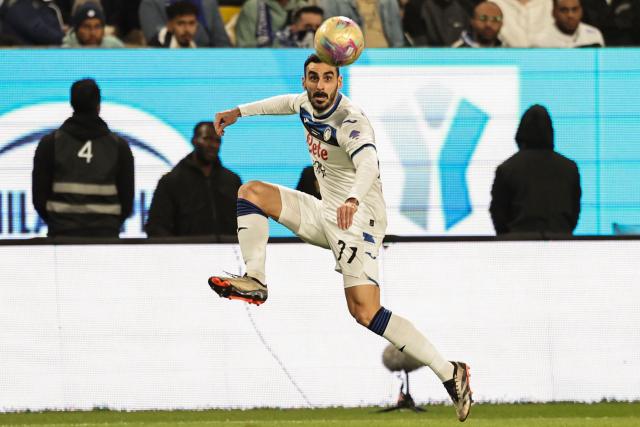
<point>137,327</point>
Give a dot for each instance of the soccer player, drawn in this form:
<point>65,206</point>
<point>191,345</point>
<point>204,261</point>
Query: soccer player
<point>350,219</point>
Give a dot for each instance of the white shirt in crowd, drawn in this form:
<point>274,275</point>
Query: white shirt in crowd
<point>585,35</point>
<point>522,21</point>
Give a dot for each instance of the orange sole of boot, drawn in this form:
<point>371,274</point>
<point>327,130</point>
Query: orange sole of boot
<point>226,291</point>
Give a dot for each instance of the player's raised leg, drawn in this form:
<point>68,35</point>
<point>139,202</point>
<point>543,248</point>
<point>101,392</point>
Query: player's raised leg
<point>257,201</point>
<point>363,302</point>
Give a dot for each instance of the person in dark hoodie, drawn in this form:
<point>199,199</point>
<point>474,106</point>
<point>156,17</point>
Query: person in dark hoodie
<point>536,191</point>
<point>32,22</point>
<point>199,195</point>
<point>83,174</point>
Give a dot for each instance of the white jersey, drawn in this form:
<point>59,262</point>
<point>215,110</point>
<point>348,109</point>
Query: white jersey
<point>333,139</point>
<point>584,36</point>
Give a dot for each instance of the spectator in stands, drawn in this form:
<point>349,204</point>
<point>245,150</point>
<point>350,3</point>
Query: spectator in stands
<point>181,27</point>
<point>83,176</point>
<point>536,190</point>
<point>33,22</point>
<point>568,30</point>
<point>379,19</point>
<point>88,29</point>
<point>523,19</point>
<point>210,32</point>
<point>260,20</point>
<point>8,41</point>
<point>120,15</point>
<point>198,196</point>
<point>485,26</point>
<point>300,33</point>
<point>436,22</point>
<point>308,183</point>
<point>618,20</point>
<point>402,4</point>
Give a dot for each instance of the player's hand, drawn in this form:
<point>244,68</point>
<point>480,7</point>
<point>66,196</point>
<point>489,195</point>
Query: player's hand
<point>224,119</point>
<point>346,212</point>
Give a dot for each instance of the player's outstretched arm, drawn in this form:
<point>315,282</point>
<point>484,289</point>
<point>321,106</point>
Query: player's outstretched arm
<point>225,118</point>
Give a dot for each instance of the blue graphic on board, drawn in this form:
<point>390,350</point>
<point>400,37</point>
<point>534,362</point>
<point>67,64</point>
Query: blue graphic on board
<point>467,127</point>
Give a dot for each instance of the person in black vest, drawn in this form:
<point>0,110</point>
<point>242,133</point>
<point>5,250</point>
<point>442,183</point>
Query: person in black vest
<point>83,176</point>
<point>199,195</point>
<point>536,191</point>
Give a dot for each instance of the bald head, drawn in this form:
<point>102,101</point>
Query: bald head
<point>486,23</point>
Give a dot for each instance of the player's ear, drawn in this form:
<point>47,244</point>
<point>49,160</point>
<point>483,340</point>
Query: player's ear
<point>303,80</point>
<point>339,82</point>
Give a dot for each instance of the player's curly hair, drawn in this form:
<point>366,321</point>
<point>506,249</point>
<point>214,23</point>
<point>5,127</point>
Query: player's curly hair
<point>313,58</point>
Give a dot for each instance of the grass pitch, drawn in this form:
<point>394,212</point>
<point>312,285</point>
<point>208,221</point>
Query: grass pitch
<point>516,415</point>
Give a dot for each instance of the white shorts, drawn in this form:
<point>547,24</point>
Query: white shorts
<point>355,250</point>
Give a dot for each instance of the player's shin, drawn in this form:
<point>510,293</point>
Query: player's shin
<point>253,233</point>
<point>406,338</point>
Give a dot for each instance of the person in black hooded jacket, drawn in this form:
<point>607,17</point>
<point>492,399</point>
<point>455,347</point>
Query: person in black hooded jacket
<point>198,196</point>
<point>536,191</point>
<point>83,174</point>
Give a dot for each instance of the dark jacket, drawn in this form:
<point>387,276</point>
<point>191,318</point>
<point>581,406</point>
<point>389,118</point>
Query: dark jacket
<point>162,39</point>
<point>619,21</point>
<point>83,127</point>
<point>33,22</point>
<point>536,190</point>
<point>436,22</point>
<point>188,203</point>
<point>307,182</point>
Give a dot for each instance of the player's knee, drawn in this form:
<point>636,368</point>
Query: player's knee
<point>251,191</point>
<point>362,315</point>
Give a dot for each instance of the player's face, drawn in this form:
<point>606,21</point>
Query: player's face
<point>90,32</point>
<point>322,83</point>
<point>184,29</point>
<point>568,14</point>
<point>206,143</point>
<point>486,22</point>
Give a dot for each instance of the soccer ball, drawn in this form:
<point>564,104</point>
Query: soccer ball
<point>339,41</point>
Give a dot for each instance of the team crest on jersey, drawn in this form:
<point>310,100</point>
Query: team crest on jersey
<point>327,134</point>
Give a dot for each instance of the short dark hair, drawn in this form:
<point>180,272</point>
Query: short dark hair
<point>200,124</point>
<point>181,8</point>
<point>85,96</point>
<point>307,9</point>
<point>555,3</point>
<point>313,58</point>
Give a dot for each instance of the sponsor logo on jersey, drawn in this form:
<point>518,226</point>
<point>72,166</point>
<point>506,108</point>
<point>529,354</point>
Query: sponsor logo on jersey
<point>316,149</point>
<point>319,168</point>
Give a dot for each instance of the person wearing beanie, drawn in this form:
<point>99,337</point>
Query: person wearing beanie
<point>88,29</point>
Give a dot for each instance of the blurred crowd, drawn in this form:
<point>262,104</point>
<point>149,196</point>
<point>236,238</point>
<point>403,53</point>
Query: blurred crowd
<point>292,23</point>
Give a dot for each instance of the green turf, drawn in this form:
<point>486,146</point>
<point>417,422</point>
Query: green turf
<point>517,415</point>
